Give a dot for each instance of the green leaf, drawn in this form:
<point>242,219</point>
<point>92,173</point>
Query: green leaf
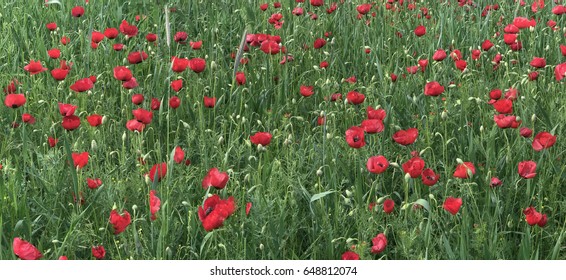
<point>423,203</point>
<point>321,195</point>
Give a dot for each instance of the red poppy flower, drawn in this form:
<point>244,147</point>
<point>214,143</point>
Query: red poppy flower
<point>355,97</point>
<point>503,106</point>
<point>80,160</point>
<point>263,138</point>
<point>71,122</point>
<point>522,22</point>
<point>178,64</point>
<point>14,100</point>
<point>538,62</point>
<point>82,85</point>
<point>174,102</point>
<point>486,45</point>
<point>197,64</point>
<point>179,155</point>
<point>379,242</point>
<point>527,169</point>
<point>98,252</point>
<point>372,126</point>
<point>270,47</point>
<point>412,69</point>
<point>414,166</point>
<point>66,110</point>
<point>180,37</point>
<point>63,258</point>
<point>317,3</point>
<point>128,29</point>
<point>214,211</point>
<point>560,71</point>
<point>151,37</point>
<point>452,205</point>
<point>240,78</point>
<point>52,141</point>
<point>159,169</point>
<point>122,73</point>
<point>543,140</point>
<point>319,43</point>
<point>248,208</point>
<point>195,45</point>
<point>154,204</point>
<point>34,67</point>
<point>118,47</point>
<point>406,137</point>
<point>461,64</point>
<point>137,98</point>
<point>65,40</point>
<point>54,53</point>
<point>388,206</point>
<point>324,64</point>
<point>297,11</point>
<point>155,104</point>
<point>28,118</point>
<point>52,26</point>
<point>215,178</point>
<point>177,85</point>
<point>532,216</point>
<point>429,178</point>
<point>420,31</point>
<point>93,183</point>
<point>135,125</point>
<point>209,102</point>
<point>503,121</point>
<point>559,10</point>
<point>462,170</point>
<point>543,221</point>
<point>77,11</point>
<point>137,57</point>
<point>143,115</point>
<point>111,33</point>
<point>355,137</point>
<point>306,91</point>
<point>97,37</point>
<point>379,114</point>
<point>433,89</point>
<point>439,55</point>
<point>349,255</point>
<point>94,120</point>
<point>363,8</point>
<point>25,250</point>
<point>119,222</point>
<point>495,182</point>
<point>59,74</point>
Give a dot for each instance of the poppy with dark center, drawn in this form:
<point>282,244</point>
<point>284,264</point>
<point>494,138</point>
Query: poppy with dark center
<point>215,178</point>
<point>77,11</point>
<point>429,178</point>
<point>355,137</point>
<point>180,37</point>
<point>214,211</point>
<point>14,100</point>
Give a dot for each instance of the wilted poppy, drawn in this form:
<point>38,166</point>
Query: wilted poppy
<point>214,211</point>
<point>195,45</point>
<point>248,208</point>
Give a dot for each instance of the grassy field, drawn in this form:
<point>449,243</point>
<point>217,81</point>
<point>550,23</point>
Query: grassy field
<point>456,176</point>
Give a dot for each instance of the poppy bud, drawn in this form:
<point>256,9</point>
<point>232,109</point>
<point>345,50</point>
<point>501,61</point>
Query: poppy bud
<point>481,129</point>
<point>147,180</point>
<point>319,173</point>
<point>380,200</point>
<point>134,207</point>
<point>261,246</point>
<point>407,177</point>
<point>431,196</point>
<point>93,145</point>
<point>444,115</point>
<point>533,118</point>
<point>459,161</point>
<point>349,193</point>
<point>394,164</point>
